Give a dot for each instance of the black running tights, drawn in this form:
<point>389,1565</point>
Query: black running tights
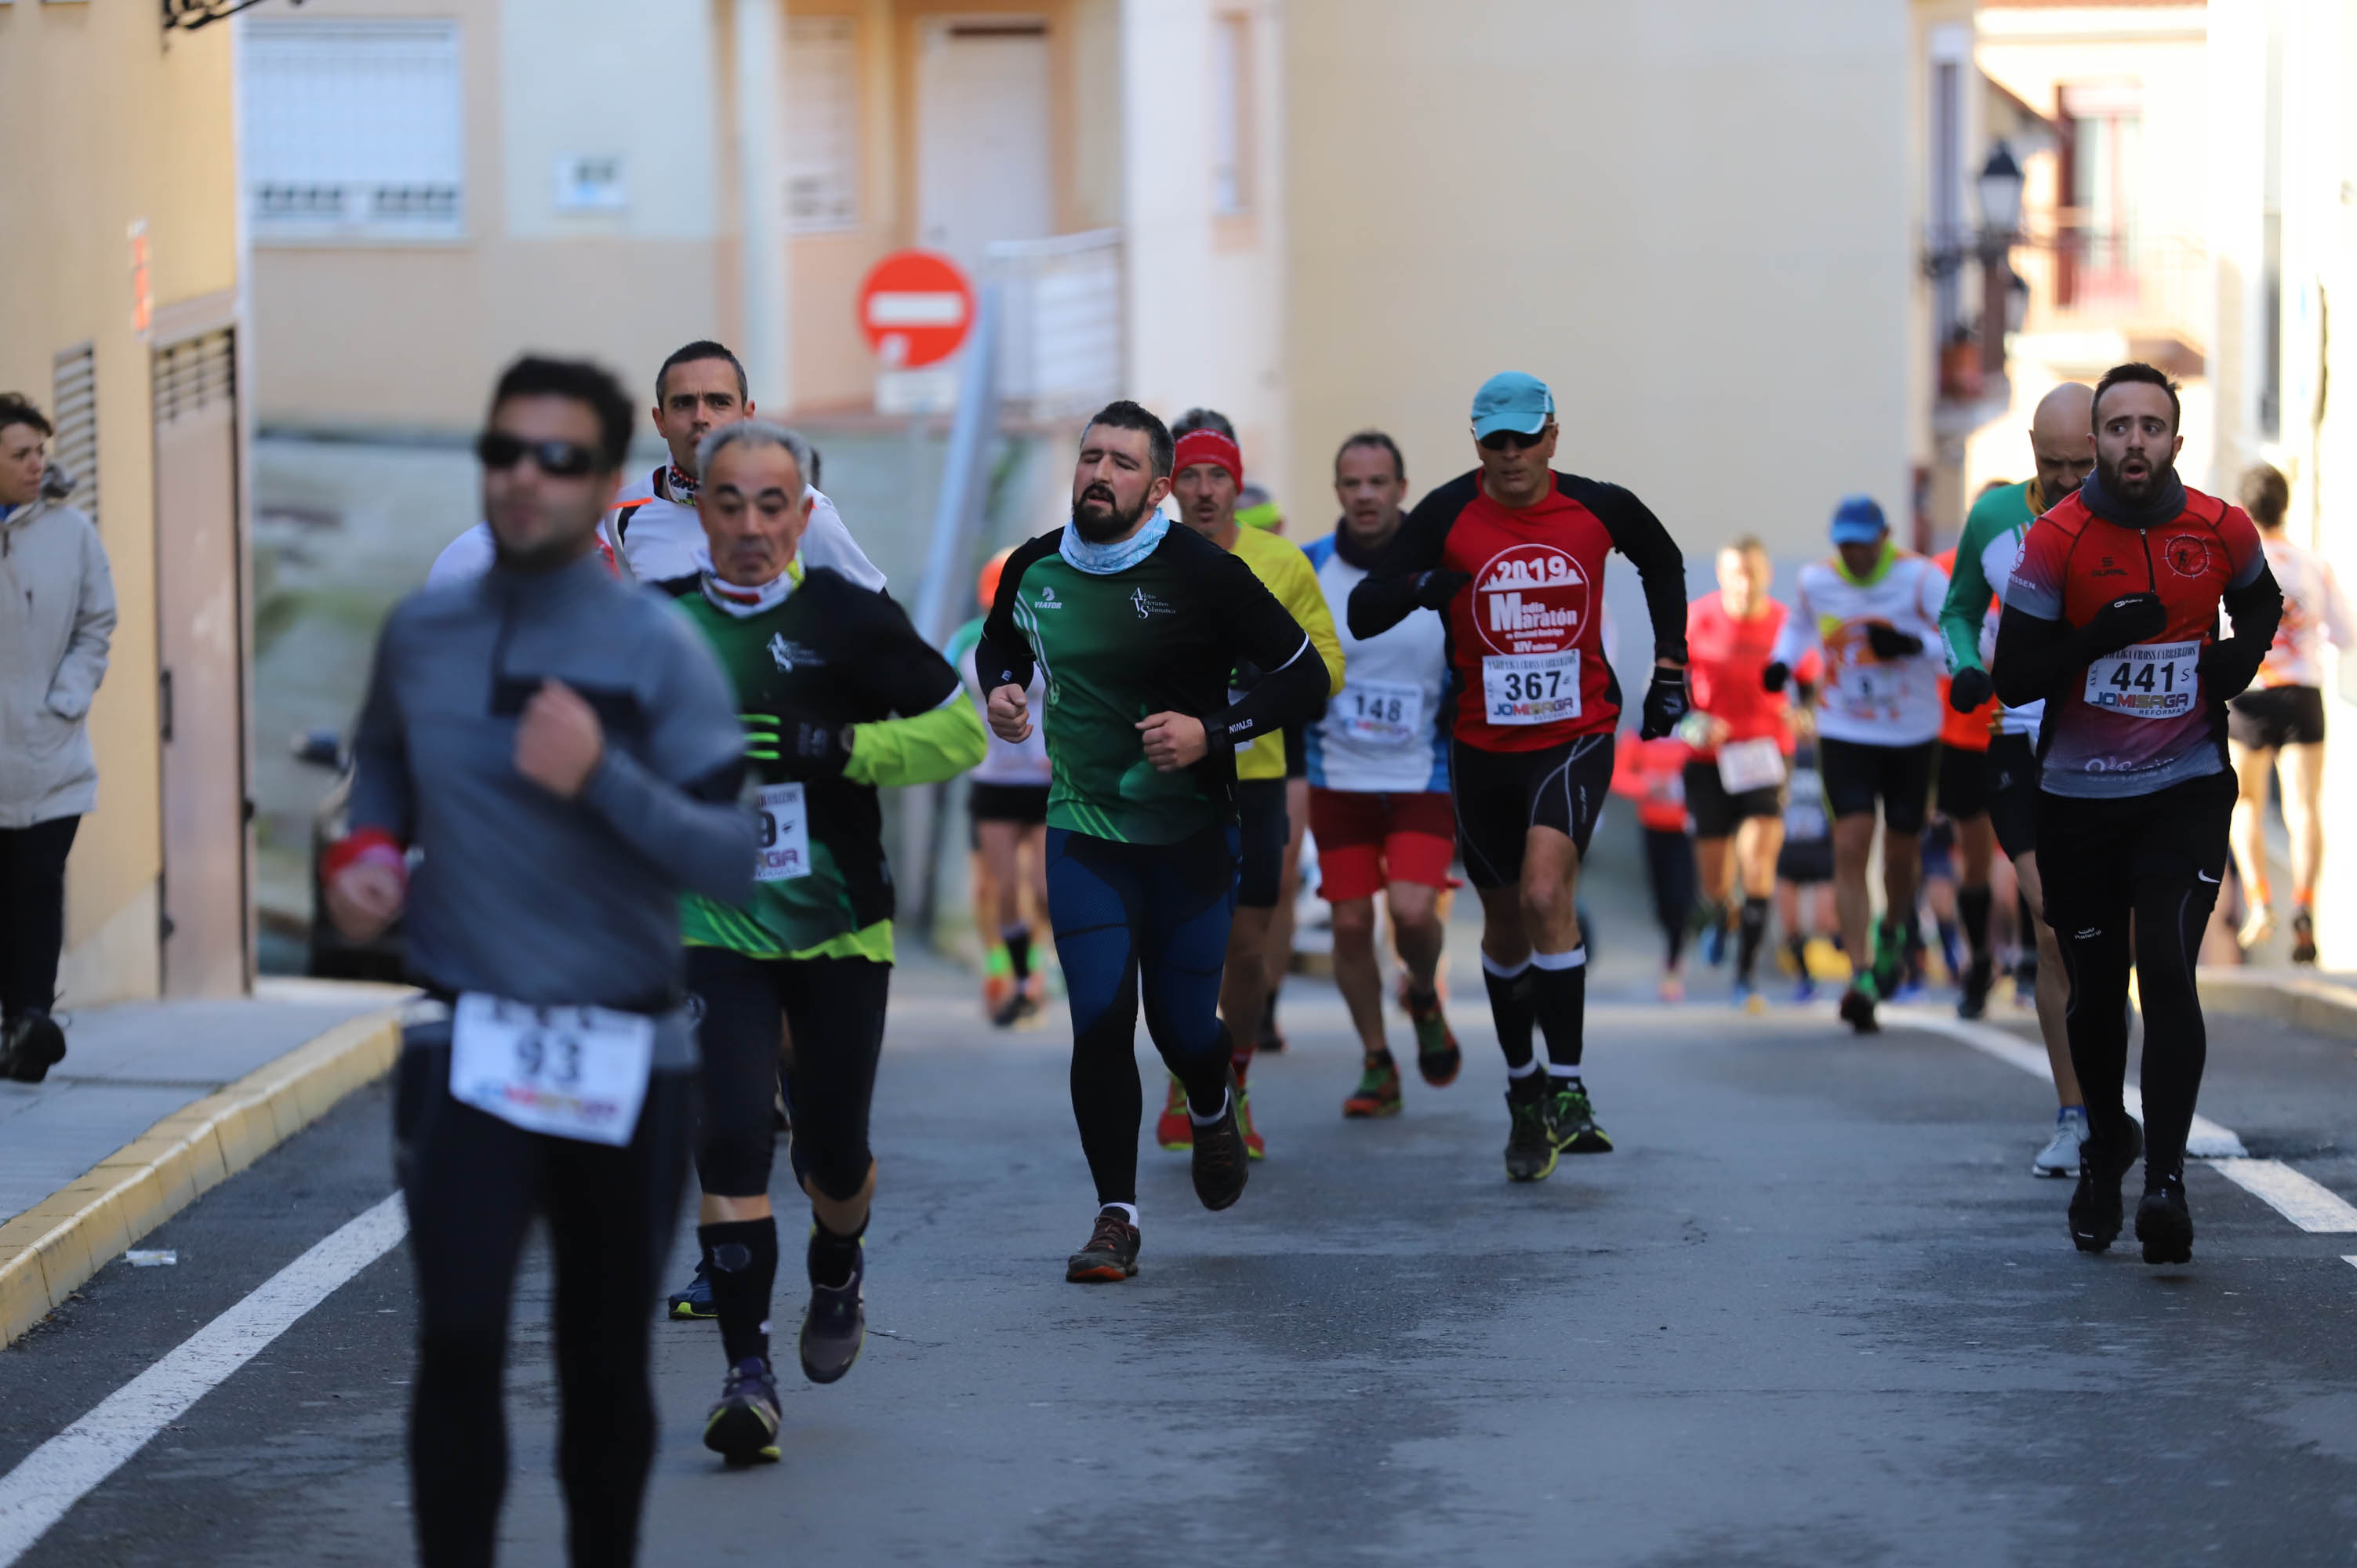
<point>474,1183</point>
<point>1670,867</point>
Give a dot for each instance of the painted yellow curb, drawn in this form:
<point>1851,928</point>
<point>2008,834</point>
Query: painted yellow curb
<point>49,1251</point>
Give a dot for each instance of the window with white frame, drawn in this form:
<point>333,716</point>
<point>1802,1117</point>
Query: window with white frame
<point>353,130</point>
<point>822,124</point>
<point>1232,141</point>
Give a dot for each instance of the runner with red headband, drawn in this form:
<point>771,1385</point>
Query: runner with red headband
<point>1513,555</point>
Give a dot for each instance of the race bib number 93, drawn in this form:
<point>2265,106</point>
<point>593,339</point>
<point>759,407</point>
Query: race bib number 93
<point>571,1072</point>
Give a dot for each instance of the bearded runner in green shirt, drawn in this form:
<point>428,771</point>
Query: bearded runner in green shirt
<point>838,694</point>
<point>1146,632</point>
<point>2062,445</point>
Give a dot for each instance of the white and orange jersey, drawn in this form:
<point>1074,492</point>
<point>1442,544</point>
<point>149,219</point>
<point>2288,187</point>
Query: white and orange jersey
<point>1863,697</point>
<point>2315,612</point>
<point>659,539</point>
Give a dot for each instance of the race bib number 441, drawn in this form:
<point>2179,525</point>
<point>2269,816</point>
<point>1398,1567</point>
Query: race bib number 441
<point>571,1072</point>
<point>2148,681</point>
<point>1531,688</point>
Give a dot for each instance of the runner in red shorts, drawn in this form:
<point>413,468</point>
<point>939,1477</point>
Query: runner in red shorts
<point>1379,801</point>
<point>1513,555</point>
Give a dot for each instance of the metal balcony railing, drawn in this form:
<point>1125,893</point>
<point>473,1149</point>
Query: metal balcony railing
<point>1061,347</point>
<point>2085,279</point>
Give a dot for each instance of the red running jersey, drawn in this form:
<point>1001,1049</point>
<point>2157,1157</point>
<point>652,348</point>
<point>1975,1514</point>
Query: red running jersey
<point>1652,773</point>
<point>2132,722</point>
<point>1725,658</point>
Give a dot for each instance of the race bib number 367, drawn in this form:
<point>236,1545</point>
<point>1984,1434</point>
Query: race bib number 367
<point>2147,681</point>
<point>1531,688</point>
<point>572,1072</point>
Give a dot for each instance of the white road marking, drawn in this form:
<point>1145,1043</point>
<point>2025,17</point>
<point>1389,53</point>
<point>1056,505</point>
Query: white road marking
<point>59,1474</point>
<point>2209,1141</point>
<point>2307,1203</point>
<point>2348,1260</point>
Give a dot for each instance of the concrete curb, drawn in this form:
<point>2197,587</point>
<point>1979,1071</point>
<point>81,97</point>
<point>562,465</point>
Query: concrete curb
<point>2316,1005</point>
<point>49,1251</point>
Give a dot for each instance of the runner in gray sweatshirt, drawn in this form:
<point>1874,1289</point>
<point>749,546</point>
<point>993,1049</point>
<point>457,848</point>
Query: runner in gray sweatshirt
<point>566,756</point>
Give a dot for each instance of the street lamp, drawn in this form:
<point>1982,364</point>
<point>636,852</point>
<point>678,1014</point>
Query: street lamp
<point>2000,194</point>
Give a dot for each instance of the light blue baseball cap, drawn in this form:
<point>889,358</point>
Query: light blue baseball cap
<point>1858,521</point>
<point>1511,401</point>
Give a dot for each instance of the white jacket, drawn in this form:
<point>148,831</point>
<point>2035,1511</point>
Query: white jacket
<point>1864,698</point>
<point>56,615</point>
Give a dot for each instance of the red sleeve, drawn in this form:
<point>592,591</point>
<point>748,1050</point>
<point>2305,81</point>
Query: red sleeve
<point>2037,588</point>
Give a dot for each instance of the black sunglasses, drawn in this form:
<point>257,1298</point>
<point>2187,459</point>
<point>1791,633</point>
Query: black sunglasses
<point>1511,440</point>
<point>558,459</point>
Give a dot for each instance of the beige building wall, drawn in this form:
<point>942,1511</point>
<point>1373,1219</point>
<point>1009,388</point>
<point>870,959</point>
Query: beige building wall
<point>112,126</point>
<point>1691,218</point>
<point>353,334</point>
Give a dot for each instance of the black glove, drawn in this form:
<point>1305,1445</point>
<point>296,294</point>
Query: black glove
<point>1437,586</point>
<point>807,749</point>
<point>1772,678</point>
<point>2229,666</point>
<point>1969,688</point>
<point>2128,619</point>
<point>1666,704</point>
<point>1889,643</point>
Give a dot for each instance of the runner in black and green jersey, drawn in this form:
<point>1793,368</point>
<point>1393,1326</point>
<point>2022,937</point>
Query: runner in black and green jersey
<point>1143,631</point>
<point>821,667</point>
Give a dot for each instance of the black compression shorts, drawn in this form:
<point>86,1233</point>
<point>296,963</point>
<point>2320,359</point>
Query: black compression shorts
<point>2013,792</point>
<point>2098,858</point>
<point>836,1008</point>
<point>1716,813</point>
<point>1857,775</point>
<point>1023,803</point>
<point>1265,827</point>
<point>2270,716</point>
<point>1964,782</point>
<point>1502,795</point>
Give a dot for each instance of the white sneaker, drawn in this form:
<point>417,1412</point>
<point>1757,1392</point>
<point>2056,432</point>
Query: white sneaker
<point>2061,1155</point>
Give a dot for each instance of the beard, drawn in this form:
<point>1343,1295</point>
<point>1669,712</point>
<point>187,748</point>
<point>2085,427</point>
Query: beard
<point>547,552</point>
<point>2136,491</point>
<point>1098,527</point>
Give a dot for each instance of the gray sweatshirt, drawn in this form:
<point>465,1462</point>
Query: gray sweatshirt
<point>520,894</point>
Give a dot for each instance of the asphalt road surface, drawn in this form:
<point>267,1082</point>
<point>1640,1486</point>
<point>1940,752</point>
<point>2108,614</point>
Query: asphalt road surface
<point>1813,1310</point>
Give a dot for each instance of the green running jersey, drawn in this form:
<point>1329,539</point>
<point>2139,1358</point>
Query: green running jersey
<point>831,654</point>
<point>1163,635</point>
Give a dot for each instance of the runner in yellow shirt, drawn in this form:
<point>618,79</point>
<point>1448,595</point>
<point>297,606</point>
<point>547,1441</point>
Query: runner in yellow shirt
<point>1210,472</point>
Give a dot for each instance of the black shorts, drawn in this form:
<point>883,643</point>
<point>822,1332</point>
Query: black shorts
<point>2098,858</point>
<point>1856,775</point>
<point>835,1007</point>
<point>1964,782</point>
<point>1265,829</point>
<point>1804,862</point>
<point>1296,751</point>
<point>1502,795</point>
<point>1023,803</point>
<point>1715,811</point>
<point>2013,792</point>
<point>2270,716</point>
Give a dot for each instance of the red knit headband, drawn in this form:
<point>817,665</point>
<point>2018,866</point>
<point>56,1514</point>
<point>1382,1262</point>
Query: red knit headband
<point>1210,447</point>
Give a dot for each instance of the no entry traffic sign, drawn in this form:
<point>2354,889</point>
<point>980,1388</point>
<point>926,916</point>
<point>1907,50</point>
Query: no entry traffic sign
<point>916,308</point>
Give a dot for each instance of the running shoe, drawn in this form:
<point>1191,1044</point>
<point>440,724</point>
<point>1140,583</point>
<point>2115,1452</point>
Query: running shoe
<point>2095,1207</point>
<point>2257,927</point>
<point>1529,1151</point>
<point>1437,1056</point>
<point>743,1427</point>
<point>1857,1007</point>
<point>1714,938</point>
<point>1672,989</point>
<point>695,1301</point>
<point>1979,975</point>
<point>1171,1129</point>
<point>1747,998</point>
<point>1221,1162</point>
<point>2164,1224</point>
<point>834,1324</point>
<point>34,1047</point>
<point>1378,1093</point>
<point>1804,989</point>
<point>1888,967</point>
<point>997,979</point>
<point>2059,1157</point>
<point>1253,1145</point>
<point>1111,1255</point>
<point>1017,1009</point>
<point>1571,1121</point>
<point>2303,936</point>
